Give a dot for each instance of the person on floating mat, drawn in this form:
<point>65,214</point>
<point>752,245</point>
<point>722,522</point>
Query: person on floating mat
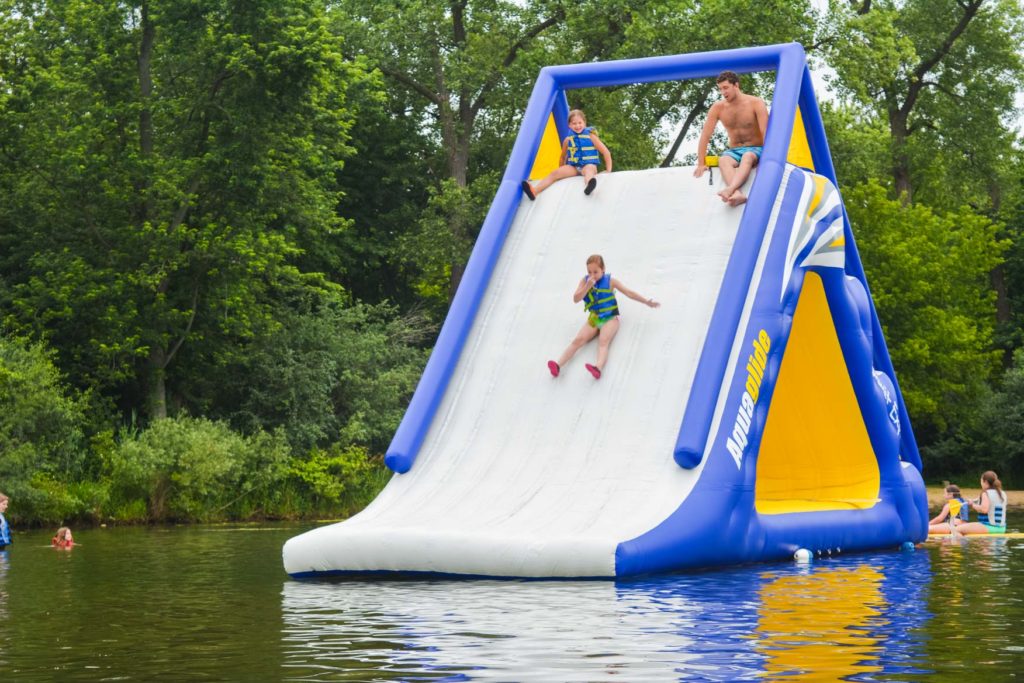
<point>597,292</point>
<point>579,157</point>
<point>991,508</point>
<point>954,513</point>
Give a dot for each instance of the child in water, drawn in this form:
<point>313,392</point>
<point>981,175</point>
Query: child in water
<point>955,511</point>
<point>63,538</point>
<point>597,291</point>
<point>579,157</point>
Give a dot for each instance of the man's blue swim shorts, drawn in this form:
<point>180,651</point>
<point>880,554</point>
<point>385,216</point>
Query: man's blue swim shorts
<point>738,152</point>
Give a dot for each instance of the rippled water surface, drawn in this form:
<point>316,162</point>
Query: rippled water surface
<point>212,603</point>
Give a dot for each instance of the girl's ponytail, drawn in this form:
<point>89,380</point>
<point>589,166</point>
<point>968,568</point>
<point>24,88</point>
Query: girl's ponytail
<point>992,480</point>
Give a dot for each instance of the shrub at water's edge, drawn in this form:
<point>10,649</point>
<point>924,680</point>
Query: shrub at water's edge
<point>180,469</point>
<point>196,470</point>
<point>296,432</point>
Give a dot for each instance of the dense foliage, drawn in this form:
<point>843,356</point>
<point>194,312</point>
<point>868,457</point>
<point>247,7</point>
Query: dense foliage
<point>229,231</point>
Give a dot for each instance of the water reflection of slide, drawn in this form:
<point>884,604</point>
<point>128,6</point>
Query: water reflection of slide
<point>838,619</point>
<point>845,622</point>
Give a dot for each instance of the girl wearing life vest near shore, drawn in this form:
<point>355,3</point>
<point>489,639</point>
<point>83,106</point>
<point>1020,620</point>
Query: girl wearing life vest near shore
<point>597,292</point>
<point>579,157</point>
<point>991,508</point>
<point>954,513</point>
<point>5,529</point>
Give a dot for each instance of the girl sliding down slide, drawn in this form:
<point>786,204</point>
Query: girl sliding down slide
<point>597,291</point>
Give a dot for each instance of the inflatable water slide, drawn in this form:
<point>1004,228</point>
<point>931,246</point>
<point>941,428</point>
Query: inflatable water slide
<point>755,413</point>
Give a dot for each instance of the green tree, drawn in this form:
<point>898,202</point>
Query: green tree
<point>41,419</point>
<point>384,185</point>
<point>928,274</point>
<point>458,59</point>
<point>636,117</point>
<point>466,69</point>
<point>992,439</point>
<point>1008,280</point>
<point>331,373</point>
<point>162,161</point>
<point>940,75</point>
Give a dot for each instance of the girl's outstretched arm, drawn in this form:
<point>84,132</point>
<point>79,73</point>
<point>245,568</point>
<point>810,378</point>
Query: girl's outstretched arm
<point>939,518</point>
<point>633,295</point>
<point>603,149</point>
<point>584,287</point>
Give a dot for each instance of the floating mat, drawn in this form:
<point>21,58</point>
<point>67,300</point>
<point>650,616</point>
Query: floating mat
<point>1009,534</point>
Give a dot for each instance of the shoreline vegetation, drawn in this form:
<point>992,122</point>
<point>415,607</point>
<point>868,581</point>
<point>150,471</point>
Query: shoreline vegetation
<point>937,498</point>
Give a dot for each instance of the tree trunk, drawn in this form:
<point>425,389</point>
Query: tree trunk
<point>146,91</point>
<point>901,163</point>
<point>696,111</point>
<point>157,399</point>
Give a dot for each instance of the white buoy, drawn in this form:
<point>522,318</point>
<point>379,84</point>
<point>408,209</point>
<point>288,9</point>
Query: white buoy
<point>802,556</point>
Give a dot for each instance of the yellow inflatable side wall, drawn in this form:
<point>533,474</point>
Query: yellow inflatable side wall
<point>549,153</point>
<point>799,151</point>
<point>815,453</point>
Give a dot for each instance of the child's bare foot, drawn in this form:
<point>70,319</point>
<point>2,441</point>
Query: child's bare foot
<point>725,193</point>
<point>528,190</point>
<point>553,368</point>
<point>590,186</point>
<point>737,198</point>
<point>593,370</point>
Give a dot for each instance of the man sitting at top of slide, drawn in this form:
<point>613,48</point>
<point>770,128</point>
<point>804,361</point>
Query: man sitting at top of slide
<point>745,118</point>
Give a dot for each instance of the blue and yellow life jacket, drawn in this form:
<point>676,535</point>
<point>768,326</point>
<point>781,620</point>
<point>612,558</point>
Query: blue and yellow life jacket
<point>580,150</point>
<point>600,300</point>
<point>5,532</point>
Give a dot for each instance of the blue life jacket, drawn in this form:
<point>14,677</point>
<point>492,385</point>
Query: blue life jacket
<point>5,532</point>
<point>600,300</point>
<point>996,510</point>
<point>581,151</point>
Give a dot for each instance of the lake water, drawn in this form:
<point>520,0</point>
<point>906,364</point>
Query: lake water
<point>212,603</point>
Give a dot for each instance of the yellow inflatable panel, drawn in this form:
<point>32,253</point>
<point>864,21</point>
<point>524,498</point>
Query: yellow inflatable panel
<point>815,453</point>
<point>549,153</point>
<point>799,151</point>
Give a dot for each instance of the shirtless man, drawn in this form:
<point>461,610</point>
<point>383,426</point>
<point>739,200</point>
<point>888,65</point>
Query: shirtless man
<point>745,118</point>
